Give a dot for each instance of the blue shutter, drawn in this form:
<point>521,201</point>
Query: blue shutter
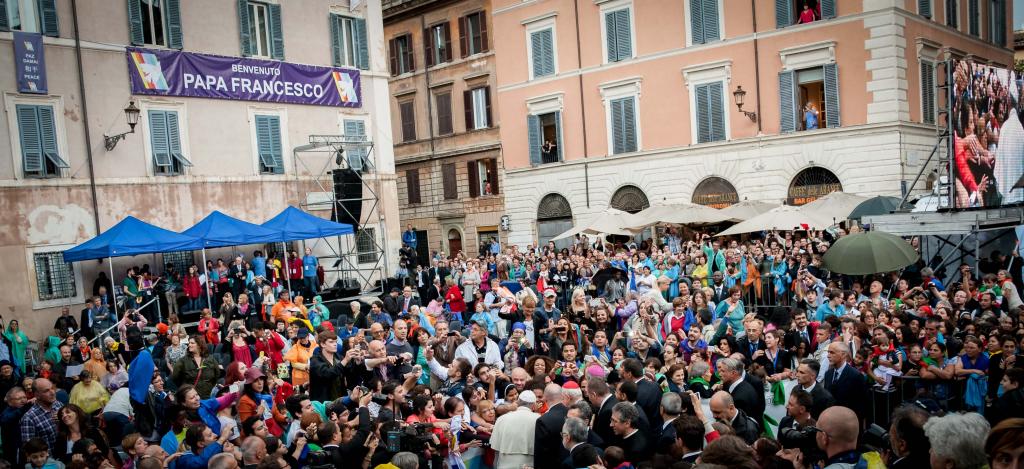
<point>276,32</point>
<point>716,111</point>
<point>710,15</point>
<point>832,95</point>
<point>173,133</point>
<point>927,92</point>
<point>537,52</point>
<point>31,138</point>
<point>924,8</point>
<point>48,17</point>
<point>276,151</point>
<point>616,126</point>
<point>787,101</point>
<point>361,46</point>
<point>356,157</point>
<point>623,36</point>
<point>828,9</point>
<point>549,51</point>
<point>558,133</point>
<point>243,27</point>
<point>48,132</point>
<point>697,21</point>
<point>5,22</point>
<point>783,13</point>
<point>609,36</point>
<point>172,9</point>
<point>336,41</point>
<point>158,139</point>
<point>534,138</point>
<point>702,113</point>
<point>136,36</point>
<point>265,128</point>
<point>629,125</point>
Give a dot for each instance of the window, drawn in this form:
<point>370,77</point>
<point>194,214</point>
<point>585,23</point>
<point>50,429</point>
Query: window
<point>710,116</point>
<point>155,22</point>
<point>477,104</point>
<point>268,144</point>
<point>554,217</point>
<point>348,42</point>
<point>412,184</point>
<point>181,260</point>
<point>401,55</point>
<point>704,27</point>
<point>408,115</point>
<point>55,279</point>
<point>355,132</point>
<point>473,33</point>
<point>629,198</point>
<point>449,181</point>
<point>997,22</point>
<point>618,35</point>
<point>483,177</point>
<point>545,135</point>
<point>444,113</point>
<point>953,13</point>
<point>165,142</point>
<point>924,8</point>
<point>973,18</point>
<point>366,246</point>
<point>790,12</point>
<point>30,16</point>
<point>260,29</point>
<point>437,44</point>
<point>542,52</point>
<point>927,92</point>
<point>40,152</point>
<point>809,98</point>
<point>623,126</point>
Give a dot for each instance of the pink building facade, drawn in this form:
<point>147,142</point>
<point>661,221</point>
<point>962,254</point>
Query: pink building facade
<point>627,103</point>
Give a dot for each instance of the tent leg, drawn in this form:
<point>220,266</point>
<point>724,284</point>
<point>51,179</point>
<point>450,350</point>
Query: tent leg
<point>287,268</point>
<point>159,313</point>
<point>113,293</point>
<point>209,301</point>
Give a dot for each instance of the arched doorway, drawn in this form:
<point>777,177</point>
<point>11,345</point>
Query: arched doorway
<point>554,217</point>
<point>811,184</point>
<point>454,242</point>
<point>629,199</point>
<point>715,192</point>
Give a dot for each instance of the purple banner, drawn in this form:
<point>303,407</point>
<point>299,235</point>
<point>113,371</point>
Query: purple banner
<point>30,62</point>
<point>175,73</point>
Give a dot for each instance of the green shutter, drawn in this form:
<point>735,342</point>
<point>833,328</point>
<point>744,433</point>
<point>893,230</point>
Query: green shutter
<point>48,17</point>
<point>134,22</point>
<point>615,127</point>
<point>703,113</point>
<point>276,32</point>
<point>336,40</point>
<point>158,138</point>
<point>832,95</point>
<point>716,111</point>
<point>697,21</point>
<point>710,15</point>
<point>610,36</point>
<point>173,133</point>
<point>31,138</point>
<point>356,157</point>
<point>361,46</point>
<point>619,41</point>
<point>787,101</point>
<point>533,131</point>
<point>47,130</point>
<point>243,27</point>
<point>266,127</point>
<point>172,10</point>
<point>828,9</point>
<point>927,92</point>
<point>783,13</point>
<point>629,125</point>
<point>924,8</point>
<point>558,134</point>
<point>537,53</point>
<point>5,22</point>
<point>548,37</point>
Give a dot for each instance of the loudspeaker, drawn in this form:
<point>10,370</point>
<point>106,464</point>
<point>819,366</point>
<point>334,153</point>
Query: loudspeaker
<point>348,197</point>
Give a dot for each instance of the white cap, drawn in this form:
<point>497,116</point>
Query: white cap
<point>528,397</point>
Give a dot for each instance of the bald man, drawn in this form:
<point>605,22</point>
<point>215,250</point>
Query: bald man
<point>723,408</point>
<point>838,436</point>
<point>254,449</point>
<point>519,378</point>
<point>846,384</point>
<point>546,438</point>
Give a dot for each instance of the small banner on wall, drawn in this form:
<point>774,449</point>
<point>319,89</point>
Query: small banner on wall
<point>176,73</point>
<point>30,62</point>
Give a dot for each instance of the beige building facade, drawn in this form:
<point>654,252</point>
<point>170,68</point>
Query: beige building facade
<point>219,164</point>
<point>445,121</point>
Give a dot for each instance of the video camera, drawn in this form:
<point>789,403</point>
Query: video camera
<point>413,438</point>
<point>802,439</point>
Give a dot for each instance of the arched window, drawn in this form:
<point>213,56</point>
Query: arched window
<point>715,192</point>
<point>812,183</point>
<point>554,217</point>
<point>629,199</point>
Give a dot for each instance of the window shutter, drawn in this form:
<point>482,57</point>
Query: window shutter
<point>558,134</point>
<point>447,42</point>
<point>927,92</point>
<point>173,133</point>
<point>697,21</point>
<point>710,15</point>
<point>428,48</point>
<point>548,51</point>
<point>487,105</point>
<point>336,40</point>
<point>951,13</point>
<point>361,46</point>
<point>276,31</point>
<point>158,139</point>
<point>717,111</point>
<point>783,13</point>
<point>393,55</point>
<point>408,121</point>
<point>483,32</point>
<point>623,37</point>
<point>533,132</point>
<point>5,22</point>
<point>31,139</point>
<point>463,40</point>
<point>173,9</point>
<point>492,174</point>
<point>243,27</point>
<point>629,125</point>
<point>828,9</point>
<point>616,127</point>
<point>474,178</point>
<point>410,63</point>
<point>48,17</point>
<point>702,114</point>
<point>832,95</point>
<point>356,157</point>
<point>787,101</point>
<point>609,39</point>
<point>136,36</point>
<point>448,176</point>
<point>263,142</point>
<point>924,8</point>
<point>537,53</point>
<point>444,113</point>
<point>412,185</point>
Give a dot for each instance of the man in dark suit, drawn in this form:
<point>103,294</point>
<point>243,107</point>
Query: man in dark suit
<point>648,395</point>
<point>671,407</point>
<point>391,303</point>
<point>845,383</point>
<point>634,443</point>
<point>602,401</point>
<point>909,443</point>
<point>580,453</point>
<point>407,301</point>
<point>803,330</point>
<point>548,427</point>
<point>744,393</point>
<point>807,379</point>
<point>719,292</point>
<point>724,409</point>
<point>625,391</point>
<point>750,344</point>
<point>689,437</point>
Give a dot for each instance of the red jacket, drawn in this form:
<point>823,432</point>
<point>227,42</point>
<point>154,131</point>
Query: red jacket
<point>295,269</point>
<point>271,348</point>
<point>455,301</point>
<point>191,286</point>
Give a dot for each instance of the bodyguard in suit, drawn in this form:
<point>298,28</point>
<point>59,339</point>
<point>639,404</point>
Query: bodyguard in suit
<point>752,342</point>
<point>719,292</point>
<point>648,395</point>
<point>807,379</point>
<point>602,401</point>
<point>724,410</point>
<point>845,383</point>
<point>574,440</point>
<point>634,443</point>
<point>671,407</point>
<point>738,385</point>
<point>689,438</point>
<point>407,301</point>
<point>548,428</point>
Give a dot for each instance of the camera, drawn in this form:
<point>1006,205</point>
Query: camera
<point>413,438</point>
<point>876,437</point>
<point>379,399</point>
<point>802,439</point>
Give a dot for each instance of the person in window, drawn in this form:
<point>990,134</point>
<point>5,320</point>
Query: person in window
<point>810,116</point>
<point>548,150</point>
<point>808,14</point>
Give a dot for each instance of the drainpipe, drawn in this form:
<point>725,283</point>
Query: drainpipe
<point>430,106</point>
<point>757,65</point>
<point>85,117</point>
<point>583,106</point>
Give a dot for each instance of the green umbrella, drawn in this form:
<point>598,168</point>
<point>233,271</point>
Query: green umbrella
<point>879,205</point>
<point>869,253</point>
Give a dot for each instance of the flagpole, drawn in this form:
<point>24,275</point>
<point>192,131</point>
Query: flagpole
<point>209,301</point>
<point>112,291</point>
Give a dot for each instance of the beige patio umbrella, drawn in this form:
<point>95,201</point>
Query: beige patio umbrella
<point>676,214</point>
<point>746,210</point>
<point>835,206</point>
<point>785,217</point>
<point>611,221</point>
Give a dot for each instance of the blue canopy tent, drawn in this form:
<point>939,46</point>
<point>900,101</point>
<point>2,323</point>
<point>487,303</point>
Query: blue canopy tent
<point>293,224</point>
<point>130,237</point>
<point>219,230</point>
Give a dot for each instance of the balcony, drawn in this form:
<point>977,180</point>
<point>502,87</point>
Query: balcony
<point>395,8</point>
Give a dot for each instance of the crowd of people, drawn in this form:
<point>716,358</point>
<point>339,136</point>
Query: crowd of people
<point>687,351</point>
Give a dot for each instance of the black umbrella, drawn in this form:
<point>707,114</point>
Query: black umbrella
<point>604,275</point>
<point>879,205</point>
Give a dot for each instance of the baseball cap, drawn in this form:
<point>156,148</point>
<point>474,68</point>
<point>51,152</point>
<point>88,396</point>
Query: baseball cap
<point>528,397</point>
<point>549,292</point>
<point>302,333</point>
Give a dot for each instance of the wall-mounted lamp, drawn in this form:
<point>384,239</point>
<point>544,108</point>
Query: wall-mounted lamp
<point>738,96</point>
<point>131,114</point>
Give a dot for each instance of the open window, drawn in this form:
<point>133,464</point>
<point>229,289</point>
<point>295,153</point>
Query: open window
<point>790,12</point>
<point>545,138</point>
<point>810,98</point>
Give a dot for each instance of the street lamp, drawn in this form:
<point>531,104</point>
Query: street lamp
<point>738,96</point>
<point>131,114</point>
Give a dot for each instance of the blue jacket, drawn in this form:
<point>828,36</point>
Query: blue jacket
<point>409,237</point>
<point>202,460</point>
